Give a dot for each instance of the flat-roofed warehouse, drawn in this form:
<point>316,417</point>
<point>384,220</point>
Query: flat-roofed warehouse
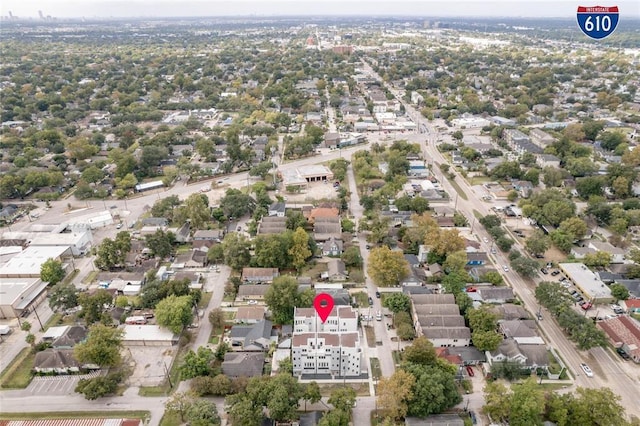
<point>593,288</point>
<point>302,175</point>
<point>19,294</point>
<point>28,262</point>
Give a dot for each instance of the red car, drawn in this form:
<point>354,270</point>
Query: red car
<point>470,371</point>
<point>586,305</point>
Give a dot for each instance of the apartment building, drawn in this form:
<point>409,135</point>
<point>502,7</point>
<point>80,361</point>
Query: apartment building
<point>329,350</point>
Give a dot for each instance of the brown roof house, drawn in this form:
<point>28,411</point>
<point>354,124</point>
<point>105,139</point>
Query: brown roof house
<point>624,333</point>
<point>336,271</point>
<point>194,259</point>
<point>249,314</point>
<point>259,275</point>
<point>251,292</point>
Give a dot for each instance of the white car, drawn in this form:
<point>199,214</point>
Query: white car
<point>505,268</point>
<point>586,370</point>
<point>485,239</point>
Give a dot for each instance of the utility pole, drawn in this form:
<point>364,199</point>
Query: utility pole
<point>166,371</point>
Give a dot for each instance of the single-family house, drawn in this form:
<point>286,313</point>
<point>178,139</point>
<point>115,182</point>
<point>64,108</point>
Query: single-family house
<point>496,294</point>
<point>336,271</point>
<point>617,254</point>
<point>477,258</point>
<point>193,259</point>
<point>524,332</point>
<point>251,292</point>
<point>243,364</point>
<point>332,247</point>
<point>277,209</point>
<point>214,235</point>
<point>253,337</point>
<point>259,275</point>
<point>60,361</point>
<point>249,314</point>
<point>70,337</point>
<point>528,356</point>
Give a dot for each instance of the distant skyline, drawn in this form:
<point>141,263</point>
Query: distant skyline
<point>414,8</point>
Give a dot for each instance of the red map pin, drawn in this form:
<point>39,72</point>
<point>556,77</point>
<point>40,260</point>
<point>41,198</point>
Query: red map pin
<point>324,305</point>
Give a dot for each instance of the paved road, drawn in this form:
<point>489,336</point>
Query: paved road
<point>383,351</point>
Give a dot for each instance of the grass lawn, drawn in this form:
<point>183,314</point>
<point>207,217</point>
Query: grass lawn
<point>204,302</point>
<point>77,415</point>
<point>397,357</point>
<point>183,249</point>
<point>90,277</point>
<point>315,269</point>
<point>170,419</point>
<point>361,298</point>
<point>69,278</point>
<point>554,366</point>
<point>459,190</point>
<point>228,298</point>
<point>362,389</point>
<point>375,367</point>
<point>229,316</point>
<point>371,336</point>
<point>478,180</point>
<point>55,319</point>
<point>18,374</point>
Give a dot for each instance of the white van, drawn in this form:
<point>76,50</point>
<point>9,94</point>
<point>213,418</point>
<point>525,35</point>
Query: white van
<point>4,330</point>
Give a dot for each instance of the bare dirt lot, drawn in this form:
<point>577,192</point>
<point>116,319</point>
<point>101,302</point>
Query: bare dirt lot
<point>148,364</point>
<point>315,191</point>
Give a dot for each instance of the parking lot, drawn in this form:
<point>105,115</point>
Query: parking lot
<point>56,385</point>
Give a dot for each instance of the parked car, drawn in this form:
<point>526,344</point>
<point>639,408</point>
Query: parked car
<point>378,316</point>
<point>586,306</point>
<point>622,353</point>
<point>370,301</point>
<point>554,273</point>
<point>118,226</point>
<point>378,294</point>
<point>586,370</point>
<point>470,371</point>
<point>544,271</point>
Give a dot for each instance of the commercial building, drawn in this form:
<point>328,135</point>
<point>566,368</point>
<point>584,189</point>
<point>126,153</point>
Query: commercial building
<point>147,335</point>
<point>328,350</point>
<point>18,295</point>
<point>585,280</point>
<point>28,262</point>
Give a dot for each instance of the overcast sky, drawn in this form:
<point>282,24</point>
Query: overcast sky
<point>441,8</point>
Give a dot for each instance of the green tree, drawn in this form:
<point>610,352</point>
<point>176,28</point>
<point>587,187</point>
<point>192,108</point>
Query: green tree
<point>619,292</point>
<point>101,348</point>
<point>93,305</point>
<point>497,401</point>
<point>219,385</point>
<point>51,271</point>
<point>386,267</point>
<point>283,296</point>
<point>599,259</point>
<point>63,296</point>
<point>203,413</point>
<point>112,253</point>
<point>420,352</point>
<point>311,393</point>
<point>236,249</point>
<point>351,256</point>
<point>537,243</point>
<point>179,403</point>
<point>160,243</point>
<point>525,266</point>
<point>217,318</point>
<point>596,407</point>
<point>261,169</point>
<point>455,261</point>
<point>343,398</point>
<point>395,392</point>
<point>434,390</point>
<point>196,210</point>
<point>527,404</point>
<point>299,251</point>
<point>488,340</point>
<point>574,227</point>
<point>100,386</point>
<point>175,312</point>
<point>236,204</point>
<point>397,302</point>
<point>196,363</point>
